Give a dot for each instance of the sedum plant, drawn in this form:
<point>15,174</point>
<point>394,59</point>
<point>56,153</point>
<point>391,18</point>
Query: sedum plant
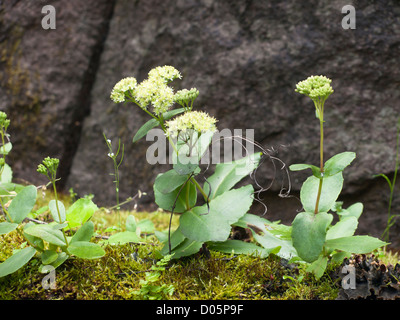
<point>311,239</point>
<point>313,235</point>
<point>52,243</point>
<point>189,133</point>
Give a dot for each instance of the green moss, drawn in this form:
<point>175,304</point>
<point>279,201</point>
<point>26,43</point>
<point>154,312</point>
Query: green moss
<point>117,275</point>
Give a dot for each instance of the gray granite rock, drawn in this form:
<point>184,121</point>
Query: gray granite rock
<point>46,77</point>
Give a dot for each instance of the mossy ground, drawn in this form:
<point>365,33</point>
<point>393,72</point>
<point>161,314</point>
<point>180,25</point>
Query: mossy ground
<point>117,275</point>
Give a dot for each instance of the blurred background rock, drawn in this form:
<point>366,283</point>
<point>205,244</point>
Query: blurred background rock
<point>245,58</point>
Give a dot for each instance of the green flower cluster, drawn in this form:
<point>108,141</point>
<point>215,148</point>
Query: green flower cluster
<point>48,167</point>
<point>4,122</point>
<point>318,88</point>
<point>192,120</point>
<point>155,92</point>
<point>315,87</point>
<point>152,91</point>
<point>123,89</point>
<point>186,97</point>
<point>165,73</point>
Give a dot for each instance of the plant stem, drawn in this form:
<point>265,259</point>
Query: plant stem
<point>58,210</point>
<point>200,189</point>
<point>187,197</point>
<point>1,172</point>
<point>385,233</point>
<point>320,107</point>
<point>116,174</point>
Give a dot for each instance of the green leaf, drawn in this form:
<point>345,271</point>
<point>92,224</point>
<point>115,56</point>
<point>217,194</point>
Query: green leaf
<point>46,233</point>
<point>331,188</point>
<point>130,224</point>
<point>58,226</point>
<point>22,204</point>
<point>227,174</point>
<point>162,236</point>
<point>338,163</point>
<point>124,237</point>
<point>145,226</point>
<point>169,181</point>
<point>5,149</point>
<point>86,250</point>
<point>54,212</point>
<point>338,257</point>
<point>355,244</point>
<point>80,211</point>
<point>6,175</point>
<point>239,247</point>
<point>318,267</point>
<point>343,228</point>
<point>84,233</point>
<point>61,258</point>
<point>274,244</point>
<point>185,167</point>
<point>166,201</point>
<point>152,123</point>
<point>6,227</point>
<point>308,234</point>
<point>301,166</point>
<point>186,248</point>
<point>252,219</point>
<point>176,239</point>
<point>37,242</point>
<point>16,261</point>
<point>49,256</point>
<point>200,225</point>
<point>6,188</point>
<point>354,210</point>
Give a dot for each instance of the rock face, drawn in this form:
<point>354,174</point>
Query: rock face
<point>244,57</point>
<point>46,78</point>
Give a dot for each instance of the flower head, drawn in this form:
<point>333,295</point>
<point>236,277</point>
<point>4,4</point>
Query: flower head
<point>154,92</point>
<point>318,88</point>
<point>122,88</point>
<point>192,120</point>
<point>165,74</point>
<point>315,87</point>
<point>48,165</point>
<point>4,122</point>
<point>185,96</point>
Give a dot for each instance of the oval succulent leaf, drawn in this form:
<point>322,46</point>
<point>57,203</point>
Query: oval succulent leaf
<point>46,233</point>
<point>84,233</point>
<point>6,227</point>
<point>202,225</point>
<point>16,261</point>
<point>302,166</point>
<point>309,233</point>
<point>228,174</point>
<point>338,163</point>
<point>355,244</point>
<point>331,188</point>
<point>86,250</point>
<point>22,204</point>
<point>57,213</point>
